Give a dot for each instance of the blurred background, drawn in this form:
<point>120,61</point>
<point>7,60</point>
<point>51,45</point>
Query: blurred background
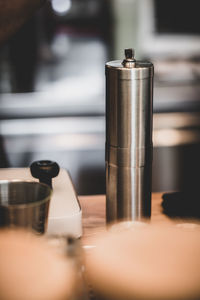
<point>52,102</point>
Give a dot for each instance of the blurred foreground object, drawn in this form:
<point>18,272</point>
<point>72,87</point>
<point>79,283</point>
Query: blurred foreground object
<point>148,262</point>
<point>31,269</point>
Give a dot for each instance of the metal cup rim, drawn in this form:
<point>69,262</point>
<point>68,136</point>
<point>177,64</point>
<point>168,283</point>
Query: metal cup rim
<point>31,204</point>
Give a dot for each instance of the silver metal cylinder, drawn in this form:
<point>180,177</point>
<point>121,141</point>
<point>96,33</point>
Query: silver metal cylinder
<point>129,97</point>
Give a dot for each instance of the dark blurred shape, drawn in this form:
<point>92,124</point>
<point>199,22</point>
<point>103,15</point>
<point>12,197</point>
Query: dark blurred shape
<point>176,160</point>
<point>30,52</point>
<point>58,57</point>
<point>92,180</point>
<point>182,204</point>
<point>176,17</point>
<point>23,57</point>
<point>4,163</point>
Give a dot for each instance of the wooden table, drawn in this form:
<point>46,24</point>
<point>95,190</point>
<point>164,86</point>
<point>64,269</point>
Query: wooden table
<point>93,208</point>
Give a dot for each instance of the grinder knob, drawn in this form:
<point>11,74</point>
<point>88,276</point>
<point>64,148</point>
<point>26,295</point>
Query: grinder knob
<point>44,170</point>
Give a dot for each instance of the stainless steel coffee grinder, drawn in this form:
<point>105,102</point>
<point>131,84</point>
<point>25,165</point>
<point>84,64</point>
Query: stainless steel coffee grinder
<point>129,97</point>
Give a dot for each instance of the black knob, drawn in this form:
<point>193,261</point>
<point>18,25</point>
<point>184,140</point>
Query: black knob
<point>44,170</point>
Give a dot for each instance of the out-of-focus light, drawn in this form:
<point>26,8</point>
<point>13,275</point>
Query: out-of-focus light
<point>61,7</point>
<point>174,137</point>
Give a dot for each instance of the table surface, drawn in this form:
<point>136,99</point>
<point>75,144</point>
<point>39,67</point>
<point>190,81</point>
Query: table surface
<point>93,209</point>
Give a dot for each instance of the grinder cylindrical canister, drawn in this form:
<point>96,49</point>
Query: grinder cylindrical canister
<point>129,98</point>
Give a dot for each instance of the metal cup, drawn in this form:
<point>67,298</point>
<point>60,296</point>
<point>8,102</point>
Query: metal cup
<point>24,204</point>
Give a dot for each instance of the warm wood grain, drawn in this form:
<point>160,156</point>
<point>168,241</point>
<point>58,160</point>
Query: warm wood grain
<point>93,208</point>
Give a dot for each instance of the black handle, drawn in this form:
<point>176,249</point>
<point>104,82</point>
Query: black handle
<point>44,170</point>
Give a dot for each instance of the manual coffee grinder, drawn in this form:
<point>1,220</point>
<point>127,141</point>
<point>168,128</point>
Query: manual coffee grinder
<point>129,98</point>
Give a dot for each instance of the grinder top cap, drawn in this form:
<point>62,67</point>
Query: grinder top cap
<point>130,68</point>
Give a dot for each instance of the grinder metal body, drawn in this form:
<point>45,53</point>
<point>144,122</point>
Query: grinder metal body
<point>129,98</point>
